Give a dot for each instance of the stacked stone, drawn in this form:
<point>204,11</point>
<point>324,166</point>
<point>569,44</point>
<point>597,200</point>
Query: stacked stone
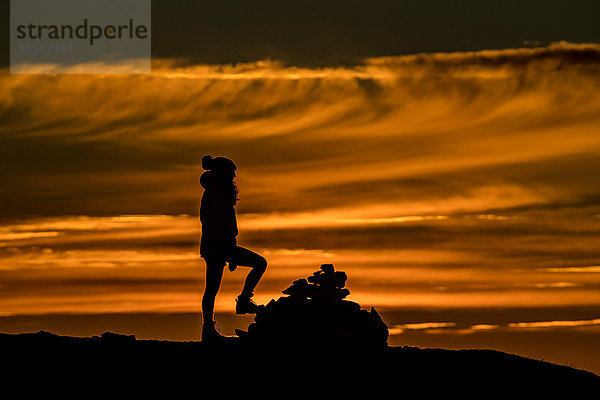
<point>323,286</point>
<point>315,314</point>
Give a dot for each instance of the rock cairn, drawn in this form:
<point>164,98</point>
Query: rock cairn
<point>315,314</point>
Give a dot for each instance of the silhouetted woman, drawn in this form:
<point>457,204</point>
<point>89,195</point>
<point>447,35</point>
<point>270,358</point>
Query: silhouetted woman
<point>218,244</point>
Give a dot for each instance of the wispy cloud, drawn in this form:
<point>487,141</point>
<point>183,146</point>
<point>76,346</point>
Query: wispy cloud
<point>483,327</point>
<point>474,172</point>
<point>453,328</point>
<point>25,235</point>
<point>398,329</point>
<point>433,134</point>
<point>567,270</point>
<point>553,324</point>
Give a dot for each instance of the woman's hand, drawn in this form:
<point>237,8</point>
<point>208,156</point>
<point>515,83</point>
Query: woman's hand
<point>231,265</point>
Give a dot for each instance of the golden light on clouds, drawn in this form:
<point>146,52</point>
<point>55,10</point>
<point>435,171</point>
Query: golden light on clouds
<point>457,182</point>
<point>112,262</point>
<point>554,324</point>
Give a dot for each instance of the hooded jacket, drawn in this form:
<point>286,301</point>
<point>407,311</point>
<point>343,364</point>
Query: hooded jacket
<point>217,215</point>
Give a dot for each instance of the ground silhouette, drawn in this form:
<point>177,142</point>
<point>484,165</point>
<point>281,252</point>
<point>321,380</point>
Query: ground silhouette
<point>392,368</point>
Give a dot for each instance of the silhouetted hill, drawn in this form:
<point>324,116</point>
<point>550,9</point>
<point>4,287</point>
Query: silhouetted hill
<point>395,368</point>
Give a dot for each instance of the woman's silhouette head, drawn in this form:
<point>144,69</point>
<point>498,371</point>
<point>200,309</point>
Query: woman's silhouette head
<point>218,164</point>
<point>219,175</point>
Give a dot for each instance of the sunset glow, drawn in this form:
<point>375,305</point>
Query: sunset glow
<point>436,181</point>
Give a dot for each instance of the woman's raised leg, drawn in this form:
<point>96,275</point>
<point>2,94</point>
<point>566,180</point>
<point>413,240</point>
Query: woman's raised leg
<point>247,258</point>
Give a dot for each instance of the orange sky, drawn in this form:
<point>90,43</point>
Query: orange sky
<point>449,181</point>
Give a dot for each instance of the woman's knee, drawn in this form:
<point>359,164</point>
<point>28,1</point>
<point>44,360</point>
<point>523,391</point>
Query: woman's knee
<point>261,264</point>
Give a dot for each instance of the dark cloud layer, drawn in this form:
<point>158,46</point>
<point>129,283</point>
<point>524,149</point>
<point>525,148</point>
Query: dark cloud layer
<point>341,32</point>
